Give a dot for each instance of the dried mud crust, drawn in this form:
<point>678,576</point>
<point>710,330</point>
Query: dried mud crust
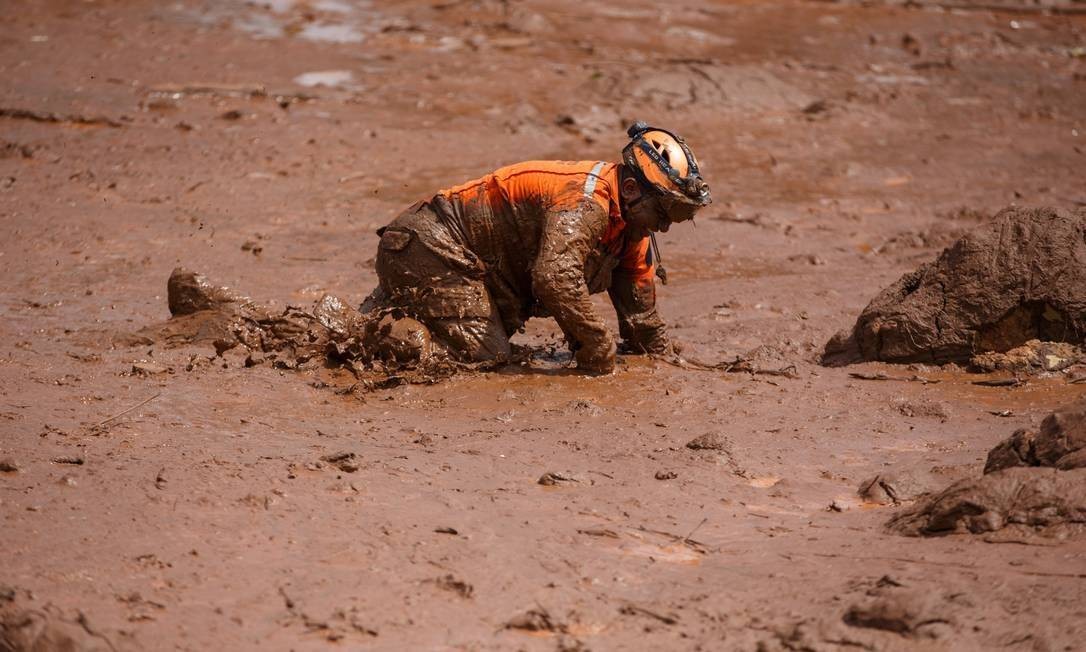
<point>1013,492</point>
<point>1017,279</point>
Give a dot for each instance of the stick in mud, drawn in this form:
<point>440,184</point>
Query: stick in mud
<point>55,118</point>
<point>859,375</point>
<point>739,365</point>
<point>124,412</point>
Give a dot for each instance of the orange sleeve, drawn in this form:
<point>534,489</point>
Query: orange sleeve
<point>636,262</point>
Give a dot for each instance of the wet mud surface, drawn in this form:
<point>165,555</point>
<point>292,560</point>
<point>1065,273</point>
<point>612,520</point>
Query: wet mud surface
<point>162,488</point>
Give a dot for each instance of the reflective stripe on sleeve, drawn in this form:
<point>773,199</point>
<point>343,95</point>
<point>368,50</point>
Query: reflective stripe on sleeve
<point>593,177</point>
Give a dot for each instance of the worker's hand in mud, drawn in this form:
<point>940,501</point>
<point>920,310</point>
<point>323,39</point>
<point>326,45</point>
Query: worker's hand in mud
<point>597,359</point>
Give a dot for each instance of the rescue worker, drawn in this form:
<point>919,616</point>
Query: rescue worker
<point>476,261</point>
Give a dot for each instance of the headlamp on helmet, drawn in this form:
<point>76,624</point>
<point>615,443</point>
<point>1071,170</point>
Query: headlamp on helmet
<point>662,162</point>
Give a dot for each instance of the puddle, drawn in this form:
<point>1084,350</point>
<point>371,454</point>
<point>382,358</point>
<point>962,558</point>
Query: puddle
<point>1036,394</point>
<point>676,553</point>
<point>261,27</point>
<point>338,22</point>
<point>635,543</point>
<point>764,482</point>
<point>331,6</point>
<point>278,6</point>
<point>330,78</point>
<point>331,33</point>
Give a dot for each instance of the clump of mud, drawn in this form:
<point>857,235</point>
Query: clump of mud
<point>44,628</point>
<point>1034,482</point>
<point>1018,278</point>
<point>381,349</point>
<point>891,613</point>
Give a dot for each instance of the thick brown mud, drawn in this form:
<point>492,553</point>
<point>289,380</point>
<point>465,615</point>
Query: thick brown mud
<point>245,476</point>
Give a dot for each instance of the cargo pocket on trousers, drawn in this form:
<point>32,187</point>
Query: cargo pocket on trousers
<point>395,240</point>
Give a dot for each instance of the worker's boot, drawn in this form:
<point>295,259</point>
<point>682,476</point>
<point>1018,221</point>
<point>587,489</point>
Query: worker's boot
<point>399,339</point>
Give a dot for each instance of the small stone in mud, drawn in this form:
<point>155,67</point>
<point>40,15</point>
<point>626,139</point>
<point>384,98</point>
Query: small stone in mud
<point>585,407</point>
<point>816,107</point>
<point>223,345</point>
<point>149,368</point>
<point>344,461</point>
<point>710,441</point>
<point>423,439</point>
<point>922,408</point>
<point>551,478</point>
<point>837,506</point>
<point>459,587</point>
<point>8,465</point>
<point>535,620</point>
<point>666,475</point>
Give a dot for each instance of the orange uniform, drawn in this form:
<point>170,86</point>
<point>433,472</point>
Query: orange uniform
<point>477,260</point>
<point>561,185</point>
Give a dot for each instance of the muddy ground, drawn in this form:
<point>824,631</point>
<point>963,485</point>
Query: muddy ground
<point>846,144</point>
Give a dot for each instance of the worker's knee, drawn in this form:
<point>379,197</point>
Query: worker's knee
<point>473,339</point>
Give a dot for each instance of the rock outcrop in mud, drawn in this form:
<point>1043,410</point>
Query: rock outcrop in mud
<point>1021,277</point>
<point>1046,500</point>
<point>1060,442</point>
<point>1013,491</point>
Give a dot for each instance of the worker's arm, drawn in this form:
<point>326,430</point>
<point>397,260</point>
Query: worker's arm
<point>558,283</point>
<point>633,293</point>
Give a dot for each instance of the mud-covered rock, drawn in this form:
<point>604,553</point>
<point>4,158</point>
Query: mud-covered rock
<point>1045,500</point>
<point>710,441</point>
<point>1019,278</point>
<point>1060,442</point>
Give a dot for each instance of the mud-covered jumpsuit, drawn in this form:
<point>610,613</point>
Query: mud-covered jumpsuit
<point>476,261</point>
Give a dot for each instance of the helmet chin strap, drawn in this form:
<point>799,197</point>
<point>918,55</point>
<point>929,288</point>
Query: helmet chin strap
<point>660,271</point>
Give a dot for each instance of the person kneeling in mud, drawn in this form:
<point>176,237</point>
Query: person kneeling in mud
<point>473,263</point>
